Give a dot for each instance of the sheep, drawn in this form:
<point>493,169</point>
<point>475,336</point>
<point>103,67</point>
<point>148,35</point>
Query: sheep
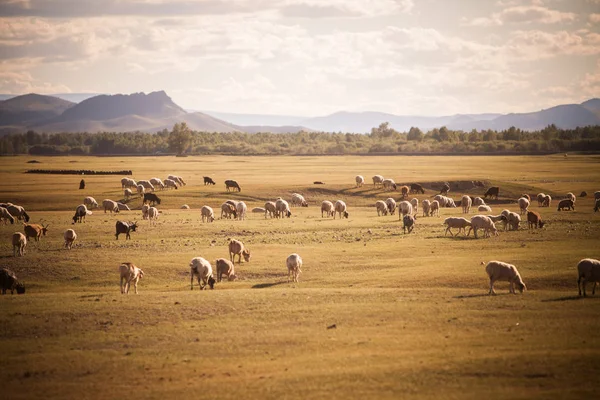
<point>456,222</point>
<point>208,181</point>
<point>404,190</point>
<point>445,189</point>
<point>110,205</point>
<point>588,270</point>
<point>571,197</point>
<point>500,217</point>
<point>259,210</point>
<point>19,241</point>
<point>127,183</point>
<point>145,209</point>
<point>127,193</point>
<point>129,273</point>
<point>416,188</point>
<point>170,183</point>
<point>440,199</point>
<point>466,203</point>
<point>70,236</point>
<point>478,201</point>
<point>185,207</point>
<point>540,199</point>
<point>360,180</point>
<point>298,200</point>
<point>225,267</point>
<point>207,214</point>
<point>381,207</point>
<point>525,195</point>
<point>426,207</point>
<point>404,208</point>
<point>270,209</point>
<point>514,220</point>
<point>534,220</point>
<point>126,228</point>
<point>35,231</point>
<point>523,205</point>
<point>450,203</point>
<point>123,207</point>
<point>241,209</point>
<point>90,202</point>
<point>391,205</point>
<point>583,194</point>
<point>153,215</point>
<point>202,269</point>
<point>151,198</point>
<point>141,190</point>
<point>294,265</point>
<point>434,208</point>
<point>340,208</point>
<point>177,179</point>
<point>236,248</point>
<point>597,205</point>
<point>482,222</point>
<point>80,213</point>
<point>547,201</point>
<point>232,185</point>
<point>408,222</point>
<point>505,213</point>
<point>5,216</point>
<point>501,271</point>
<point>389,184</point>
<point>282,209</point>
<point>484,208</point>
<point>492,192</point>
<point>9,281</point>
<point>146,185</point>
<point>157,182</point>
<point>377,180</point>
<point>18,212</point>
<point>328,208</point>
<point>565,203</point>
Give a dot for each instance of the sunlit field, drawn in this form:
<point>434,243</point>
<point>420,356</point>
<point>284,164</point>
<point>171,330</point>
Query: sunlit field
<point>377,313</point>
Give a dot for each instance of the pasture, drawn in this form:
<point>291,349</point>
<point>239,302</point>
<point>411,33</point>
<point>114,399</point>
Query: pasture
<point>376,314</point>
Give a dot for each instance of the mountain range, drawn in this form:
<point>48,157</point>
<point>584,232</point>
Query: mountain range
<point>156,111</point>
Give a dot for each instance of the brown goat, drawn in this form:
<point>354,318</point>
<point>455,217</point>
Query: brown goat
<point>35,231</point>
<point>534,220</point>
<point>404,190</point>
<point>236,248</point>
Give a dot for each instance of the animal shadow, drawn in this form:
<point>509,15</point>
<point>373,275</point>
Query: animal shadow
<point>564,298</point>
<point>267,285</point>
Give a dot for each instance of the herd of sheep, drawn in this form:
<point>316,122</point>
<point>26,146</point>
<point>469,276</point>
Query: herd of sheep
<point>588,269</point>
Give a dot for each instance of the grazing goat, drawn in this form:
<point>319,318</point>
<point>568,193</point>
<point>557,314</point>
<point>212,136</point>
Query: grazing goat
<point>236,248</point>
<point>35,231</point>
<point>126,228</point>
<point>456,222</point>
<point>294,265</point>
<point>482,222</point>
<point>151,198</point>
<point>228,211</point>
<point>208,181</point>
<point>5,216</point>
<point>416,188</point>
<point>534,220</point>
<point>492,192</point>
<point>129,273</point>
<point>17,212</point>
<point>232,185</point>
<point>207,214</point>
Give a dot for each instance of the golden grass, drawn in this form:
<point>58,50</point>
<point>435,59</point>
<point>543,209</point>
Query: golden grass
<point>411,313</point>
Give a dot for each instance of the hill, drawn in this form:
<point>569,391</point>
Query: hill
<point>30,109</point>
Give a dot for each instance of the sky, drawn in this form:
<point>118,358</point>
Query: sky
<point>309,57</point>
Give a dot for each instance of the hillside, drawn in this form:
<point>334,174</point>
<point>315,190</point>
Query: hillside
<point>31,108</point>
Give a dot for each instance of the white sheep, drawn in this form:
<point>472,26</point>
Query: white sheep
<point>377,180</point>
<point>236,248</point>
<point>478,201</point>
<point>434,208</point>
<point>360,180</point>
<point>5,216</point>
<point>157,182</point>
<point>588,270</point>
<point>129,273</point>
<point>207,213</point>
<point>391,205</point>
<point>228,210</point>
<point>389,184</point>
<point>123,207</point>
<point>185,207</point>
<point>294,265</point>
<point>466,204</point>
<point>404,208</point>
<point>110,205</point>
<point>523,205</point>
<point>19,241</point>
<point>381,207</point>
<point>415,204</point>
<point>426,207</point>
<point>153,215</point>
<point>225,267</point>
<point>170,183</point>
<point>450,202</point>
<point>282,209</point>
<point>141,190</point>
<point>90,202</point>
<point>500,217</point>
<point>571,196</point>
<point>145,209</point>
<point>501,271</point>
<point>146,185</point>
<point>298,200</point>
<point>540,199</point>
<point>440,199</point>
<point>17,212</point>
<point>456,222</point>
<point>259,210</point>
<point>270,209</point>
<point>514,220</point>
<point>177,179</point>
<point>241,210</point>
<point>340,208</point>
<point>327,208</point>
<point>201,268</point>
<point>127,182</point>
<point>127,193</point>
<point>70,236</point>
<point>484,208</point>
<point>482,222</point>
<point>547,201</point>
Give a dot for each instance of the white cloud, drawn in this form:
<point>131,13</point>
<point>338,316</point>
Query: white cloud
<point>524,15</point>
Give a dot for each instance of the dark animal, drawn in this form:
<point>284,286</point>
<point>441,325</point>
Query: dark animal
<point>231,184</point>
<point>597,206</point>
<point>82,184</point>
<point>534,220</point>
<point>208,181</point>
<point>566,203</point>
<point>492,192</point>
<point>79,215</point>
<point>318,183</point>
<point>126,228</point>
<point>583,194</point>
<point>9,281</point>
<point>151,198</point>
<point>445,189</point>
<point>416,188</point>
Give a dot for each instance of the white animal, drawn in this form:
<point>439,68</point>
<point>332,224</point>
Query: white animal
<point>540,199</point>
<point>236,248</point>
<point>377,180</point>
<point>415,203</point>
<point>141,190</point>
<point>426,207</point>
<point>513,221</point>
<point>153,215</point>
<point>177,179</point>
<point>298,200</point>
<point>588,270</point>
<point>571,196</point>
<point>202,270</point>
<point>127,193</point>
<point>110,205</point>
<point>5,216</point>
<point>80,213</point>
<point>434,208</point>
<point>456,222</point>
<point>70,237</point>
<point>282,209</point>
<point>466,204</point>
<point>360,180</point>
<point>441,199</point>
<point>17,212</point>
<point>127,183</point>
<point>381,207</point>
<point>145,209</point>
<point>157,182</point>
<point>404,208</point>
<point>389,184</point>
<point>294,265</point>
<point>146,185</point>
<point>270,209</point>
<point>501,271</point>
<point>241,209</point>
<point>228,211</point>
<point>170,183</point>
<point>478,201</point>
<point>327,208</point>
<point>523,205</point>
<point>185,207</point>
<point>482,222</point>
<point>207,213</point>
<point>340,208</point>
<point>123,207</point>
<point>19,241</point>
<point>225,267</point>
<point>391,205</point>
<point>129,273</point>
<point>259,210</point>
<point>484,208</point>
<point>90,202</point>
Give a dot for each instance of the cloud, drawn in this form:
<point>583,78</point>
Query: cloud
<point>594,18</point>
<point>524,15</point>
<point>535,44</point>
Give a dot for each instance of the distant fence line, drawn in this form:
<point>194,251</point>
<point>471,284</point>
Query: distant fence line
<point>77,172</point>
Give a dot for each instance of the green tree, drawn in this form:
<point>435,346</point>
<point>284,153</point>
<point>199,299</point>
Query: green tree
<point>415,134</point>
<point>180,138</point>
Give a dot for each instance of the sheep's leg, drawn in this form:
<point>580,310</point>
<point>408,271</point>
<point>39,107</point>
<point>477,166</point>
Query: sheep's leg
<point>492,287</point>
<point>594,288</point>
<point>579,285</point>
<point>512,287</point>
<point>135,282</point>
<point>192,282</point>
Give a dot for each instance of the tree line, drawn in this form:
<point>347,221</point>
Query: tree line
<point>381,140</point>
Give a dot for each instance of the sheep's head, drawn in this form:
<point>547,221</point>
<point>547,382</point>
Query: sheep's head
<point>211,282</point>
<point>247,255</point>
<point>141,274</point>
<point>289,213</point>
<point>75,219</point>
<point>304,204</point>
<point>521,286</point>
<point>232,277</point>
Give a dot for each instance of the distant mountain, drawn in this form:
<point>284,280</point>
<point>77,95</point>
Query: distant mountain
<point>592,105</point>
<point>30,109</point>
<point>257,119</point>
<point>72,97</point>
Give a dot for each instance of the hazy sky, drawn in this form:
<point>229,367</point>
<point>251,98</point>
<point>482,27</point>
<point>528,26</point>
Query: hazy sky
<point>309,57</point>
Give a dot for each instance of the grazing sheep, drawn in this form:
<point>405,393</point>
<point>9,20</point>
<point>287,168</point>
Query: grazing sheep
<point>328,208</point>
<point>208,181</point>
<point>90,202</point>
<point>202,269</point>
<point>70,237</point>
<point>234,203</point>
<point>5,216</point>
<point>482,222</point>
<point>484,208</point>
<point>185,207</point>
<point>501,217</point>
<point>360,180</point>
<point>389,184</point>
<point>500,271</point>
<point>241,210</point>
<point>434,208</point>
<point>547,201</point>
<point>450,203</point>
<point>127,193</point>
<point>588,270</point>
<point>140,190</point>
<point>426,207</point>
<point>391,205</point>
<point>225,267</point>
<point>123,207</point>
<point>170,183</point>
<point>377,180</point>
<point>440,199</point>
<point>404,208</point>
<point>466,203</point>
<point>110,205</point>
<point>404,190</point>
<point>445,189</point>
<point>126,228</point>
<point>523,204</point>
<point>146,185</point>
<point>35,231</point>
<point>207,214</point>
<point>478,201</point>
<point>566,204</point>
<point>153,215</point>
<point>9,281</point>
<point>19,241</point>
<point>145,209</point>
<point>127,183</point>
<point>534,220</point>
<point>177,179</point>
<point>282,209</point>
<point>456,222</point>
<point>298,200</point>
<point>492,192</point>
<point>157,182</point>
<point>80,213</point>
<point>408,222</point>
<point>236,248</point>
<point>270,209</point>
<point>129,273</point>
<point>540,198</point>
<point>259,210</point>
<point>232,185</point>
<point>416,188</point>
<point>294,265</point>
<point>151,198</point>
<point>525,195</point>
<point>18,212</point>
<point>597,205</point>
<point>514,220</point>
<point>571,197</point>
<point>505,213</point>
<point>340,208</point>
<point>381,207</point>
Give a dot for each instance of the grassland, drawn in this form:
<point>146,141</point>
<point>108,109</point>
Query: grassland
<point>377,314</point>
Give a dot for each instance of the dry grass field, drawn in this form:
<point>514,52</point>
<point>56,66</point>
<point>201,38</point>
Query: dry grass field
<point>377,313</point>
